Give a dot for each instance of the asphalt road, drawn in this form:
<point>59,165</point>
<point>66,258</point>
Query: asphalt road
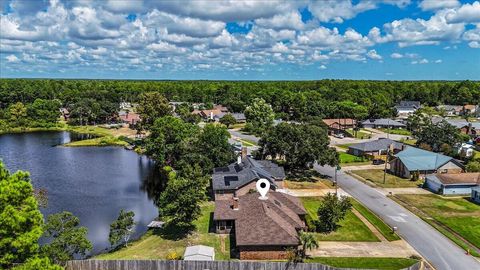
<point>240,135</point>
<point>432,245</point>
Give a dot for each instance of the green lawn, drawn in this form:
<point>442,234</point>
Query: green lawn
<point>397,131</point>
<point>458,214</point>
<point>383,228</point>
<point>392,181</point>
<point>361,134</point>
<point>156,245</point>
<point>365,263</point>
<point>102,141</point>
<point>344,146</point>
<point>316,184</point>
<point>351,228</point>
<point>350,160</point>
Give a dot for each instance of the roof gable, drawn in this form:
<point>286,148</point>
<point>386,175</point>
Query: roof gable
<point>418,159</point>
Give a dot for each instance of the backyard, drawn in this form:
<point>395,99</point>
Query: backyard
<point>396,131</point>
<point>459,215</point>
<point>391,181</point>
<point>156,244</point>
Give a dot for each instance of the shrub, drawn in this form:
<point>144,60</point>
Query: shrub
<point>173,256</point>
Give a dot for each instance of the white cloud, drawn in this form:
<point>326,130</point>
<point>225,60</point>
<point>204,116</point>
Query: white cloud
<point>438,61</point>
<point>291,20</point>
<point>423,61</point>
<point>396,55</point>
<point>322,67</point>
<point>474,44</point>
<point>338,11</point>
<point>438,4</point>
<point>468,13</point>
<point>372,54</point>
<point>12,58</point>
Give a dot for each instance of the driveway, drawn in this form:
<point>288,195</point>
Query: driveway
<point>238,134</point>
<point>442,253</point>
<point>395,249</point>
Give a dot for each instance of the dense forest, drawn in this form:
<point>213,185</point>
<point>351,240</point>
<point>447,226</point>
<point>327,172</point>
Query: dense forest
<point>291,100</point>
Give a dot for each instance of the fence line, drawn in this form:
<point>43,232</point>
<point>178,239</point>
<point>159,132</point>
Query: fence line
<point>199,265</point>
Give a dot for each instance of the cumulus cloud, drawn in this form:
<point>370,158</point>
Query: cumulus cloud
<point>291,20</point>
<point>12,58</point>
<point>468,13</point>
<point>338,11</point>
<point>372,54</point>
<point>438,4</point>
<point>396,55</point>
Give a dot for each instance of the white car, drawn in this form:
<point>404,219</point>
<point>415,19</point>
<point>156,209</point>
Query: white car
<point>339,135</point>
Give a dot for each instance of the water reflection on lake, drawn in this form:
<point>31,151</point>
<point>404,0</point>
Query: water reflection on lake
<point>93,183</point>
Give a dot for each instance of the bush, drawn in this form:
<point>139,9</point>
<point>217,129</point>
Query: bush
<point>173,256</point>
<point>473,166</point>
<point>310,223</point>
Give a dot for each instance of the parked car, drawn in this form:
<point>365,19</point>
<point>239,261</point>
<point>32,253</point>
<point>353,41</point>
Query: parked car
<point>378,161</point>
<point>339,135</point>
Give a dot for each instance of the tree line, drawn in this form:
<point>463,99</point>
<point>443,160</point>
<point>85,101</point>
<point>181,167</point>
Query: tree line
<point>97,100</point>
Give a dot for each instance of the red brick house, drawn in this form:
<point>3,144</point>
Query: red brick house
<point>263,229</point>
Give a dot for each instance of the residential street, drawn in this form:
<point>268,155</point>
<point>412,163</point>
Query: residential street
<point>431,244</point>
<point>238,134</point>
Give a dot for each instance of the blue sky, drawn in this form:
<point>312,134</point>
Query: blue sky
<point>241,40</point>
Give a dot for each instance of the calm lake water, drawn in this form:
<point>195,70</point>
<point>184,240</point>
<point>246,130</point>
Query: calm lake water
<point>93,183</point>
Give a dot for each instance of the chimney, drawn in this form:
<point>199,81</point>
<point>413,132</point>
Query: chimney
<point>235,203</point>
<point>244,152</point>
<point>239,159</point>
<point>211,115</point>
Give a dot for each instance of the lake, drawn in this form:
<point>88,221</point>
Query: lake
<point>93,183</point>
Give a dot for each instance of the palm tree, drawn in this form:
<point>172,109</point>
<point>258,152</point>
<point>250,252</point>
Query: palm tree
<point>308,241</point>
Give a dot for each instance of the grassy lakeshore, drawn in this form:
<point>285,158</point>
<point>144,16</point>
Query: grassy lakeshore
<point>105,136</point>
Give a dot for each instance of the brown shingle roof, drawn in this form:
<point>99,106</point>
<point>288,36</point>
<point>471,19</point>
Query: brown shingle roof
<point>458,178</point>
<point>341,121</point>
<point>274,221</point>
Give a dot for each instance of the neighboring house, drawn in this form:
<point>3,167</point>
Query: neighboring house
<point>476,194</point>
<point>465,127</point>
<point>382,123</point>
<point>209,115</point>
<point>240,117</point>
<point>452,184</point>
<point>339,124</point>
<point>65,113</point>
<point>129,118</point>
<point>240,177</point>
<point>422,161</point>
<point>406,108</point>
<point>469,109</point>
<point>466,150</point>
<point>450,110</point>
<point>199,253</point>
<point>375,148</point>
<point>263,229</point>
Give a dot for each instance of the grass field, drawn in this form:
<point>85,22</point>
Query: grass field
<point>458,214</point>
<point>351,228</point>
<point>156,245</point>
<point>392,181</point>
<point>397,131</point>
<point>344,146</point>
<point>101,141</point>
<point>365,263</point>
<point>361,134</point>
<point>319,184</point>
<point>350,160</point>
<point>383,228</point>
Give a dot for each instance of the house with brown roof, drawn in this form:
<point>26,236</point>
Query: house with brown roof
<point>339,124</point>
<point>210,115</point>
<point>452,183</point>
<point>239,178</point>
<point>263,228</point>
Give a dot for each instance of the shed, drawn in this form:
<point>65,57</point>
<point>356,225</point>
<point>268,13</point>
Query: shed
<point>199,253</point>
<point>476,194</point>
<point>452,184</point>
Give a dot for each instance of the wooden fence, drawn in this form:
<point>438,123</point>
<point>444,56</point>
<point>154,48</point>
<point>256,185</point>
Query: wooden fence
<point>198,265</point>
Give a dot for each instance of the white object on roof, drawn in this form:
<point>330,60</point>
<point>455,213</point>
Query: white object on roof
<point>155,224</point>
<point>199,253</point>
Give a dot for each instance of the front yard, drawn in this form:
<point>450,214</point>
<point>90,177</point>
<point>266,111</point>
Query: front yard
<point>457,214</point>
<point>365,263</point>
<point>351,228</point>
<point>351,160</point>
<point>391,181</point>
<point>156,244</point>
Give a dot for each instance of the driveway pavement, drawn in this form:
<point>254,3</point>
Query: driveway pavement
<point>395,249</point>
<point>238,134</point>
<point>442,253</point>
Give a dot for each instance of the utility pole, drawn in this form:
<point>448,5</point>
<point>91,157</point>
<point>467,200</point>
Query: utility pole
<point>386,161</point>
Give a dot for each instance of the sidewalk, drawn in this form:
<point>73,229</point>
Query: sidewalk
<point>312,192</point>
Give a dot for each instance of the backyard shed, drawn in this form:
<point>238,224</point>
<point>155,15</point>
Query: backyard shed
<point>199,253</point>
